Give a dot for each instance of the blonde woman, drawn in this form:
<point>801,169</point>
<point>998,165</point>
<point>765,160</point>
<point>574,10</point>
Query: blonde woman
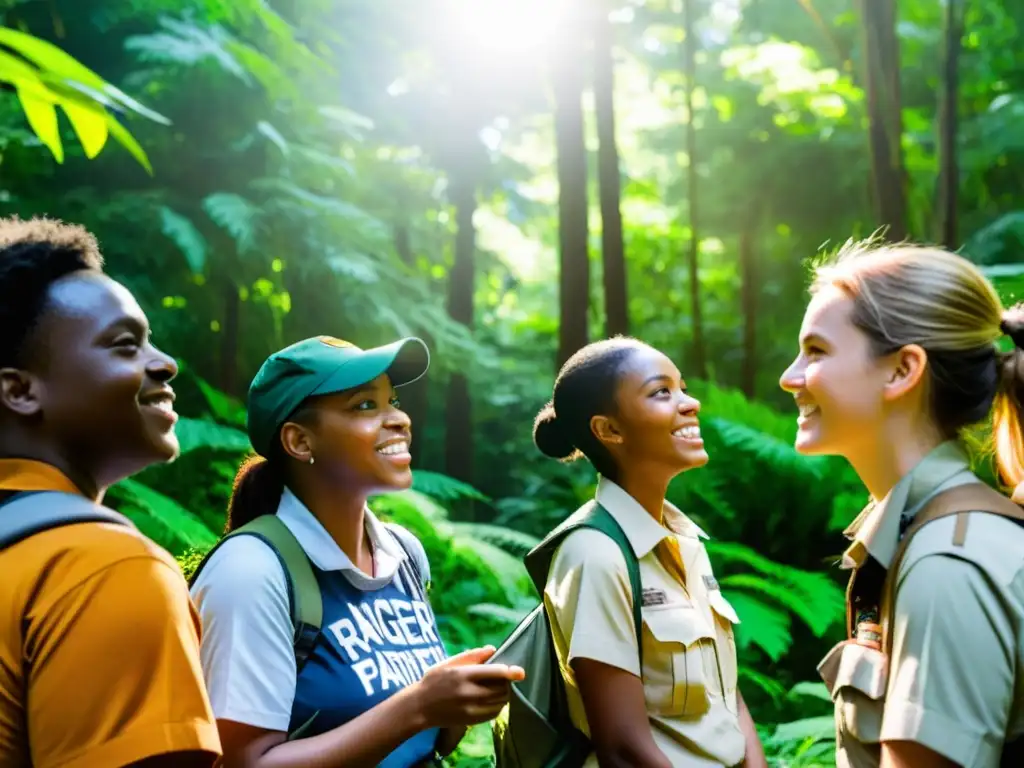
<point>897,356</point>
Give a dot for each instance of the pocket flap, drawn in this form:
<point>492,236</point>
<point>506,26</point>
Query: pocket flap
<point>676,624</point>
<point>849,665</point>
<point>722,607</point>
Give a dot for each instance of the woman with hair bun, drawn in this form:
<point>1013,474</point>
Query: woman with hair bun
<point>624,407</point>
<point>897,358</point>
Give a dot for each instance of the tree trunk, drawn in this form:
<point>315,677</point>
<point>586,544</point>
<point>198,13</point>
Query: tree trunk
<point>698,361</point>
<point>574,259</point>
<point>229,341</point>
<point>461,282</point>
<point>612,249</point>
<point>881,53</point>
<point>946,197</point>
<point>415,396</point>
<point>748,298</point>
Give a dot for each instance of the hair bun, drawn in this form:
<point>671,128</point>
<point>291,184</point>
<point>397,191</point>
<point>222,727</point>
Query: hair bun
<point>549,436</point>
<point>1013,324</point>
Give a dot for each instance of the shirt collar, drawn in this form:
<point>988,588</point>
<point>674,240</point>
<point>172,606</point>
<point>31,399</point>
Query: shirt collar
<point>325,553</point>
<point>30,475</point>
<point>642,531</point>
<point>877,529</point>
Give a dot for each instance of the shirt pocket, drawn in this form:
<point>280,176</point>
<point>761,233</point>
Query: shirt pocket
<point>728,664</point>
<point>676,641</point>
<point>856,676</point>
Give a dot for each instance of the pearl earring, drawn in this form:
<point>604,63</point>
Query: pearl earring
<point>310,459</point>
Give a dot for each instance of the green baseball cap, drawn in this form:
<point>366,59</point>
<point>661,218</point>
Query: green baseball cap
<point>323,365</point>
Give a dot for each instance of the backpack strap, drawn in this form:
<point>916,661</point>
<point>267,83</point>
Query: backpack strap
<point>420,569</point>
<point>304,596</point>
<point>959,501</point>
<point>28,513</point>
<point>590,515</point>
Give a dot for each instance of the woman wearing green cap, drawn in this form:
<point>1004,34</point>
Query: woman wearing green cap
<point>320,647</point>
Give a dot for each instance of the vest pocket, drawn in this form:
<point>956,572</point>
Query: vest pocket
<point>856,676</point>
<point>675,645</point>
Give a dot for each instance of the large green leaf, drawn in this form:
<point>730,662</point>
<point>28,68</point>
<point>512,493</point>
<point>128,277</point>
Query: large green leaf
<point>43,118</point>
<point>198,433</point>
<point>126,140</point>
<point>90,125</point>
<point>51,59</point>
<point>160,517</point>
<point>223,407</point>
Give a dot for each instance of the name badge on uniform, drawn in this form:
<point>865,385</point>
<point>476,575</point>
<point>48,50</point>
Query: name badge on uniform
<point>652,596</point>
<point>710,582</point>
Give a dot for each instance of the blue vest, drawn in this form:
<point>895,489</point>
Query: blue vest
<point>373,644</point>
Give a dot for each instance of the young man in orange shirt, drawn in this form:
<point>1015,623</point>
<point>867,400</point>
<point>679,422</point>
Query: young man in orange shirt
<point>99,662</point>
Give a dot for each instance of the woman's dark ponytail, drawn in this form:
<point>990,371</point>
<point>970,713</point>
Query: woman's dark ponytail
<point>257,491</point>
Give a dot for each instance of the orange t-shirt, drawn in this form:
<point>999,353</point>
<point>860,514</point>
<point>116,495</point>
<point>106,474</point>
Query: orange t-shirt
<point>99,645</point>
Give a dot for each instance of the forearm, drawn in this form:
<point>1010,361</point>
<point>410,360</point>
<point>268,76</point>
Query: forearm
<point>754,755</point>
<point>363,742</point>
<point>630,756</point>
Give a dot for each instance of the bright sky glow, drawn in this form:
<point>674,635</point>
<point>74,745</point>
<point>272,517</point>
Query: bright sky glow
<point>504,26</point>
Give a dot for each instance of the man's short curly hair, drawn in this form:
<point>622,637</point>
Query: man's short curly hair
<point>34,254</point>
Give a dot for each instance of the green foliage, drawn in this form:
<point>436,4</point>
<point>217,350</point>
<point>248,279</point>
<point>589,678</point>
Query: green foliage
<point>304,182</point>
<point>45,77</point>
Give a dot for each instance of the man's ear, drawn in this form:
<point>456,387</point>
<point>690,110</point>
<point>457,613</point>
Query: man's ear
<point>297,442</point>
<point>605,430</point>
<point>20,392</point>
<point>909,365</point>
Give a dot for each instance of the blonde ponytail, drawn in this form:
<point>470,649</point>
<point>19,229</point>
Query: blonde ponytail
<point>1007,412</point>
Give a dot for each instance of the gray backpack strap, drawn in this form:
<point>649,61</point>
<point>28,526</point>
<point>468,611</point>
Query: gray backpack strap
<point>304,598</point>
<point>26,514</point>
<point>420,567</point>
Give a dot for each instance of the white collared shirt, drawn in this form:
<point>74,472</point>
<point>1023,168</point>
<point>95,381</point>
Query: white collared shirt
<point>242,596</point>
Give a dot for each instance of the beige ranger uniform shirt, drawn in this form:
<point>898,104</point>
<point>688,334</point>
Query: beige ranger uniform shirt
<point>690,667</point>
<point>956,631</point>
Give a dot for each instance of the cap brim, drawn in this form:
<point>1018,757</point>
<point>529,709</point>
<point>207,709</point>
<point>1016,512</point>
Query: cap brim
<point>403,361</point>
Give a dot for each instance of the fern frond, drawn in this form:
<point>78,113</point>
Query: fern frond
<point>222,406</point>
<point>183,233</point>
<point>500,613</point>
<point>766,683</point>
<point>160,518</point>
<point>768,450</point>
<point>235,215</point>
<point>422,505</point>
<point>761,625</point>
<point>443,487</point>
<point>815,690</point>
<point>508,570</point>
<point>808,609</point>
<point>814,597</point>
<point>814,728</point>
<point>514,542</point>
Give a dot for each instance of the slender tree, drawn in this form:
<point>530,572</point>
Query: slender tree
<point>567,76</point>
<point>698,357</point>
<point>882,61</point>
<point>949,176</point>
<point>613,254</point>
